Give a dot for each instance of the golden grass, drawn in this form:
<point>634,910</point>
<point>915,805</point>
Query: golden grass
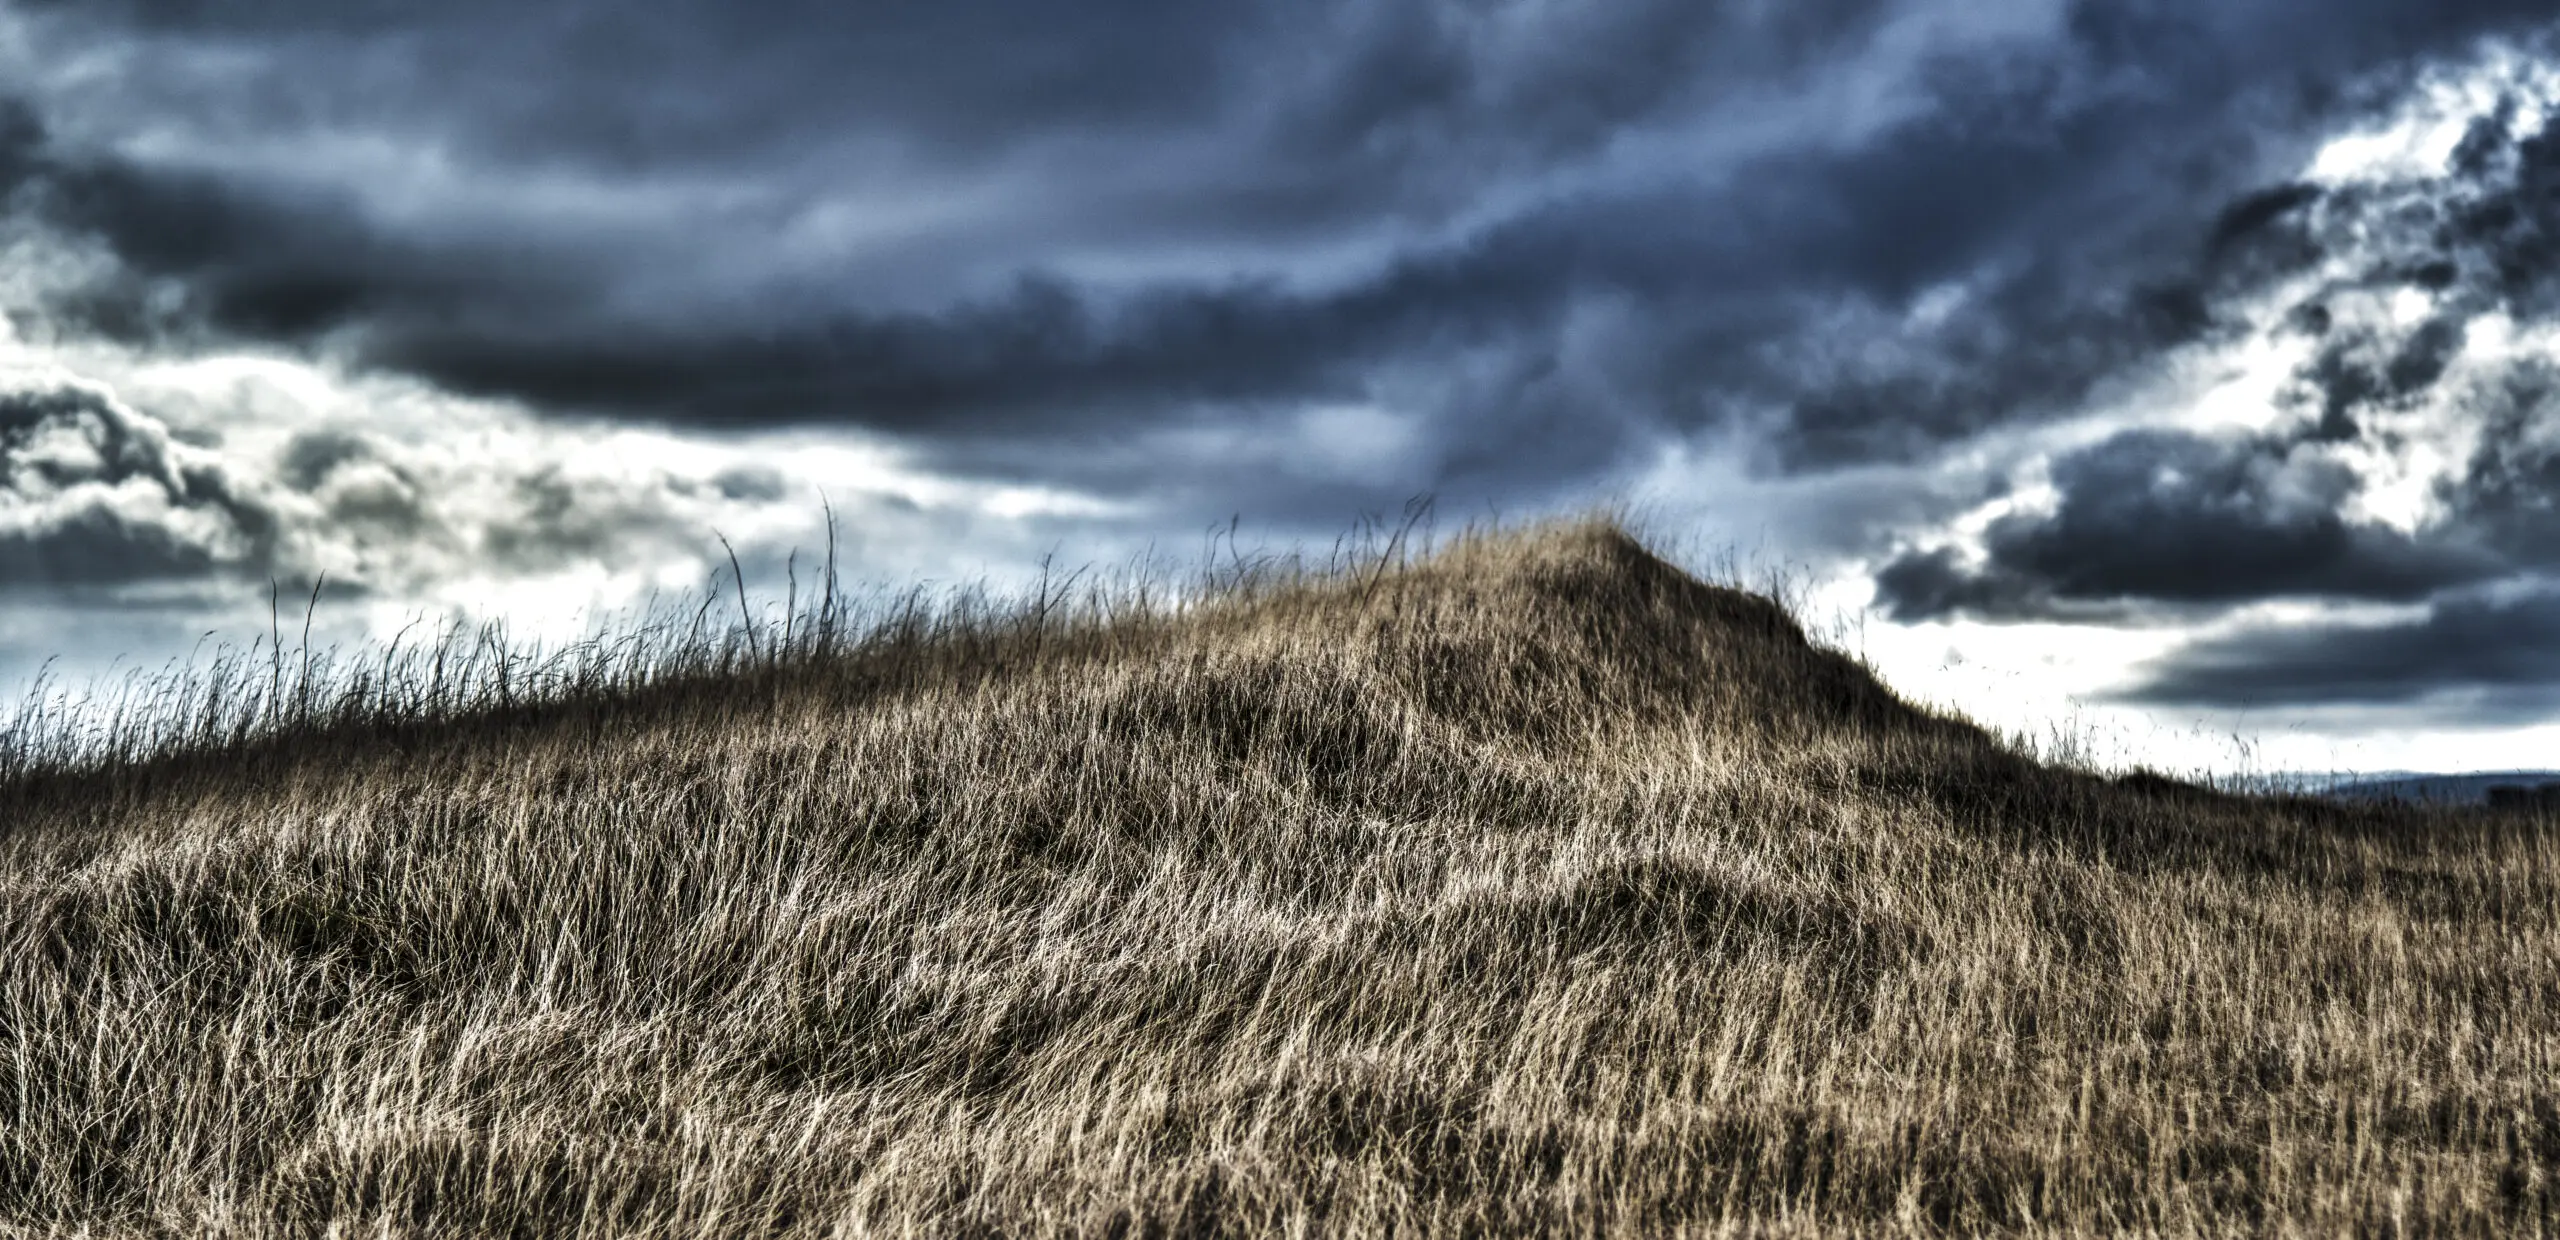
<point>1531,887</point>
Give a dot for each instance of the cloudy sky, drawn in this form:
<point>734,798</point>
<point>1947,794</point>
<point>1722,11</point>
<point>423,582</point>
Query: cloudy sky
<point>2166,372</point>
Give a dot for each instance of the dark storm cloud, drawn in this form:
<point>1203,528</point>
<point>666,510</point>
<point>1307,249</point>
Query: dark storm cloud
<point>2509,491</point>
<point>1464,176</point>
<point>1306,259</point>
<point>633,86</point>
<point>2159,517</point>
<point>92,547</point>
<point>1368,114</point>
<point>2490,659</point>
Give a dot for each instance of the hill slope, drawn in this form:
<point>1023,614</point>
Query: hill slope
<point>1532,887</point>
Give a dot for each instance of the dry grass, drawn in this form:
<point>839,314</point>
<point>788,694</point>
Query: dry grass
<point>1531,887</point>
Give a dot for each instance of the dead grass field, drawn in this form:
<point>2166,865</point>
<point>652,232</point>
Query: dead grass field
<point>1531,887</point>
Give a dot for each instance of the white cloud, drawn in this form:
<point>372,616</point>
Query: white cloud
<point>431,504</point>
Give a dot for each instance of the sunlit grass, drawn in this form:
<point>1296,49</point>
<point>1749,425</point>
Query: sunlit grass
<point>1529,886</point>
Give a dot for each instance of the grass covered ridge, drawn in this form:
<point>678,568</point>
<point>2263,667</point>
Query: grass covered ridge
<point>1530,886</point>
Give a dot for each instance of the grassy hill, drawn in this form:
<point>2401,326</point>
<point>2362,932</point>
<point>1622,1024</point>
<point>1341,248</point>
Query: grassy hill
<point>1533,886</point>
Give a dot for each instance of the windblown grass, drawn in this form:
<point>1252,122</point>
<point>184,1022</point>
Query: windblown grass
<point>1530,886</point>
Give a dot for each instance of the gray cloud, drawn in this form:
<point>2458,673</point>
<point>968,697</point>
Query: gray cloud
<point>1464,175</point>
<point>105,503</point>
<point>2475,659</point>
<point>2165,517</point>
<point>94,496</point>
<point>1297,261</point>
<point>2261,515</point>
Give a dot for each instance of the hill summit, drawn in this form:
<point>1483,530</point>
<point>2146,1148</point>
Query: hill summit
<point>1530,886</point>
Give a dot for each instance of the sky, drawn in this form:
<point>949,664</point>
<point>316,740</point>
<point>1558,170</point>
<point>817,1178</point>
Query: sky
<point>2181,381</point>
